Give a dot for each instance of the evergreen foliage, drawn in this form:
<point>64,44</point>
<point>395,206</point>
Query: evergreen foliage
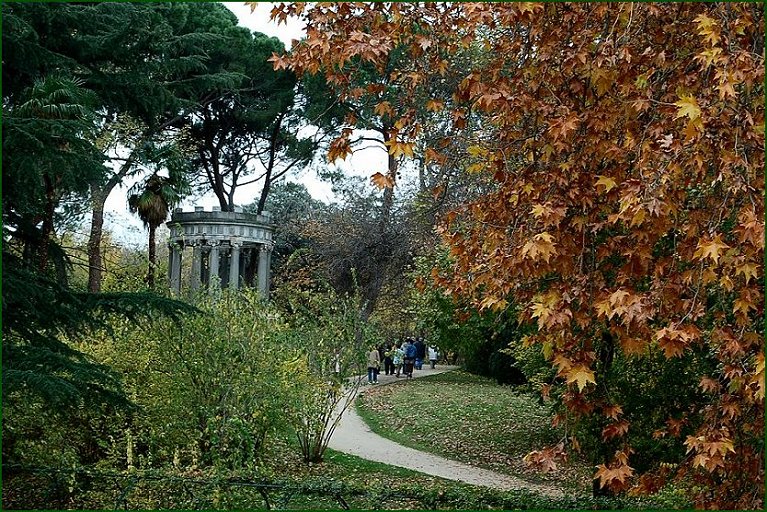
<point>39,312</point>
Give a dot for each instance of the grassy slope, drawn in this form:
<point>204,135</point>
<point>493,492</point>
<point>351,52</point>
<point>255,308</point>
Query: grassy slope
<point>471,419</point>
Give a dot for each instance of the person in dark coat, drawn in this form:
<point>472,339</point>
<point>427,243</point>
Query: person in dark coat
<point>389,360</point>
<point>420,353</point>
<point>409,359</point>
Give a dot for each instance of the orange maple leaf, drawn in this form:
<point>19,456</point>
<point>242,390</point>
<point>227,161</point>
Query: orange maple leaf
<point>541,244</point>
<point>617,429</point>
<point>382,181</point>
<point>711,249</point>
<point>614,477</point>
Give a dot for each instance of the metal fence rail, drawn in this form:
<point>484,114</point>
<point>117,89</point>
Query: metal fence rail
<point>27,487</point>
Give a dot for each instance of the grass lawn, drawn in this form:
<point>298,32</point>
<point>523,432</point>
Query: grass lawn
<point>370,485</point>
<point>471,419</point>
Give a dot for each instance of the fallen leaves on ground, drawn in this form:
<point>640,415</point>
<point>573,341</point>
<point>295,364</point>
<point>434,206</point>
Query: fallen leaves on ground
<point>469,419</point>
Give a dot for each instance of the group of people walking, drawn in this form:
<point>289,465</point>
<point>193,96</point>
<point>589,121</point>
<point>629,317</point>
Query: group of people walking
<point>400,358</point>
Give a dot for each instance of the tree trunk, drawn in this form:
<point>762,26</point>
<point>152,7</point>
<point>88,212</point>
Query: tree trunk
<point>47,228</point>
<point>388,198</point>
<point>270,167</point>
<point>384,226</point>
<point>421,175</point>
<point>99,195</point>
<point>98,199</point>
<point>152,257</point>
<point>216,181</point>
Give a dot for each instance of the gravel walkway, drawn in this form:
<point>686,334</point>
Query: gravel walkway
<point>354,437</point>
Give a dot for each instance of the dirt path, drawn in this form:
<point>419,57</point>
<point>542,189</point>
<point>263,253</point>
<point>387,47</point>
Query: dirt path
<point>354,437</point>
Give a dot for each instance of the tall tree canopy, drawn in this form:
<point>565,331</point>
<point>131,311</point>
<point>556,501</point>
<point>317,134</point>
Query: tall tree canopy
<point>144,67</point>
<point>626,146</point>
<point>66,70</point>
<point>232,127</point>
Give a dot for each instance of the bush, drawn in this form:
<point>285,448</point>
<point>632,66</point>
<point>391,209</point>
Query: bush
<point>324,347</point>
<point>207,388</point>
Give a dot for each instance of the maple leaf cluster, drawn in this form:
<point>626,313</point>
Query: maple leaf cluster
<point>625,144</point>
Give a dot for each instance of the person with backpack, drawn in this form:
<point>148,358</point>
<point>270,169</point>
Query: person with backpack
<point>409,360</point>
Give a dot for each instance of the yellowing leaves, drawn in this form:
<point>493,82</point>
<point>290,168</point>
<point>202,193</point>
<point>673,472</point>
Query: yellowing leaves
<point>477,151</point>
<point>384,108</point>
<point>339,148</point>
<point>711,249</point>
<point>743,306</point>
<point>543,306</point>
<point>748,270</point>
<point>633,346</point>
<point>758,378</point>
<point>621,260</point>
<point>580,375</point>
<point>541,246</point>
<point>710,452</point>
<point>397,149</point>
<point>688,107</point>
<point>494,303</point>
<point>614,477</point>
<point>435,105</point>
<point>382,181</point>
<point>475,168</point>
<point>550,311</point>
<point>625,305</point>
<point>709,29</point>
<point>541,310</point>
<point>539,210</point>
<point>606,182</point>
<point>602,79</point>
<point>561,127</point>
<point>674,340</point>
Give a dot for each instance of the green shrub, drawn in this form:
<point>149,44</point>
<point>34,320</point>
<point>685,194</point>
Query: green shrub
<point>324,346</point>
<point>207,388</point>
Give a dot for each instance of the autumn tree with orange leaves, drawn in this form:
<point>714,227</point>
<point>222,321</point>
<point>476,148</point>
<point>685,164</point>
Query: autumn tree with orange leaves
<point>626,142</point>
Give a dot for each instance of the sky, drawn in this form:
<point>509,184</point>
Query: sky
<point>127,228</point>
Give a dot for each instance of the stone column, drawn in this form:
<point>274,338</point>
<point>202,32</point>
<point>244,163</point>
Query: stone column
<point>174,268</point>
<point>196,265</point>
<point>269,267</point>
<point>263,269</point>
<point>170,264</point>
<point>213,275</point>
<point>234,265</point>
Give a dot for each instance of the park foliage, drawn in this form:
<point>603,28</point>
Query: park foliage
<point>626,147</point>
<point>587,219</point>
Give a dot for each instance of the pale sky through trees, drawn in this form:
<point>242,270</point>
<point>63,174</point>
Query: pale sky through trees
<point>127,228</point>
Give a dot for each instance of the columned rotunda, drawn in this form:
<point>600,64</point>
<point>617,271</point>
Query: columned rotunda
<point>232,249</point>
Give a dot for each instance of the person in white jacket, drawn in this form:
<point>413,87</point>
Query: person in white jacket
<point>397,358</point>
<point>433,356</point>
